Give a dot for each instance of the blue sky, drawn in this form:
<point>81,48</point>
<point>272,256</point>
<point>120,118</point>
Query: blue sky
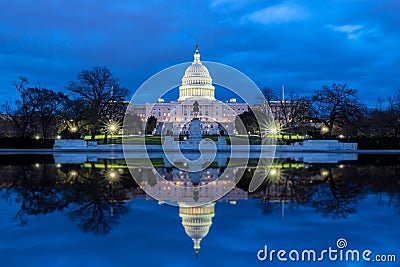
<point>301,44</point>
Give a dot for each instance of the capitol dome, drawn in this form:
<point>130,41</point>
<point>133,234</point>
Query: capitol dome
<point>197,222</point>
<point>197,82</point>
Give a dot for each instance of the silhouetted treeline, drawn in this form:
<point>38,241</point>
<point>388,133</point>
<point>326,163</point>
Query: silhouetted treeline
<point>89,102</point>
<point>96,97</point>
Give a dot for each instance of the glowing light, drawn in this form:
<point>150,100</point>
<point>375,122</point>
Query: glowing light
<point>324,129</point>
<point>112,127</point>
<point>341,136</point>
<point>37,137</point>
<point>271,128</point>
<point>112,176</point>
<point>73,129</point>
<point>58,137</point>
<point>273,171</point>
<point>324,173</point>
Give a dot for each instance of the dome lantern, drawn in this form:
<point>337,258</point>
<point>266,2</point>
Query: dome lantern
<point>196,55</point>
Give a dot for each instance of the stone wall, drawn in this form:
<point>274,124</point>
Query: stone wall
<point>70,144</point>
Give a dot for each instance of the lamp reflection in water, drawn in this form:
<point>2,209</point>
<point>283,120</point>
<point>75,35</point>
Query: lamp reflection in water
<point>112,176</point>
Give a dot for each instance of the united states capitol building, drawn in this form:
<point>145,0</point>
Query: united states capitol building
<point>175,116</point>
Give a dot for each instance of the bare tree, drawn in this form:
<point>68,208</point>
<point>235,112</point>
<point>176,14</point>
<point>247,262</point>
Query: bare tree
<point>393,114</point>
<point>268,96</point>
<point>293,111</point>
<point>335,105</point>
<point>74,118</point>
<point>102,94</point>
<point>49,109</point>
<point>23,114</point>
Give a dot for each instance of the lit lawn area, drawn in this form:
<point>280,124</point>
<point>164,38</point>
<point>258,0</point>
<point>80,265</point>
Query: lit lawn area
<point>156,140</point>
<point>154,162</point>
<point>243,140</point>
<point>288,137</point>
<point>133,140</point>
<point>253,162</point>
<point>138,140</point>
<point>101,136</point>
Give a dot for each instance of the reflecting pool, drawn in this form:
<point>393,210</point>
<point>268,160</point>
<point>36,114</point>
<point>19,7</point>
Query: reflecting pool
<point>93,213</point>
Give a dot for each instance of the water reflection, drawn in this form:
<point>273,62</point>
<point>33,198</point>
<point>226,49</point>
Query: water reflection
<point>197,222</point>
<point>94,195</point>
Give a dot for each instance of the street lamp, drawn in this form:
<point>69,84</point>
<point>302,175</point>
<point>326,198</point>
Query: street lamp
<point>271,128</point>
<point>111,127</point>
<point>73,174</point>
<point>324,173</point>
<point>273,172</point>
<point>273,131</point>
<point>324,129</point>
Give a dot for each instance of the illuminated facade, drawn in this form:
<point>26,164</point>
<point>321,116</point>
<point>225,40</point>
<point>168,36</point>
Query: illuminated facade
<point>197,86</point>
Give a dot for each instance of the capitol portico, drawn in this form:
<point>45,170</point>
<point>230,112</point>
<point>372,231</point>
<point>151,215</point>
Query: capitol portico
<point>175,116</point>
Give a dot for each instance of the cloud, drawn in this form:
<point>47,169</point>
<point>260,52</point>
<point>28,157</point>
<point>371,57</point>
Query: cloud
<point>352,31</point>
<point>303,44</point>
<point>219,3</point>
<point>285,12</point>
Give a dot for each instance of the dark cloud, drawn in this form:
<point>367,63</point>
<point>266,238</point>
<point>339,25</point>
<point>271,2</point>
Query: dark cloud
<point>297,43</point>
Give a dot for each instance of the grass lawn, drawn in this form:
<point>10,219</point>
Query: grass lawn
<point>156,140</point>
